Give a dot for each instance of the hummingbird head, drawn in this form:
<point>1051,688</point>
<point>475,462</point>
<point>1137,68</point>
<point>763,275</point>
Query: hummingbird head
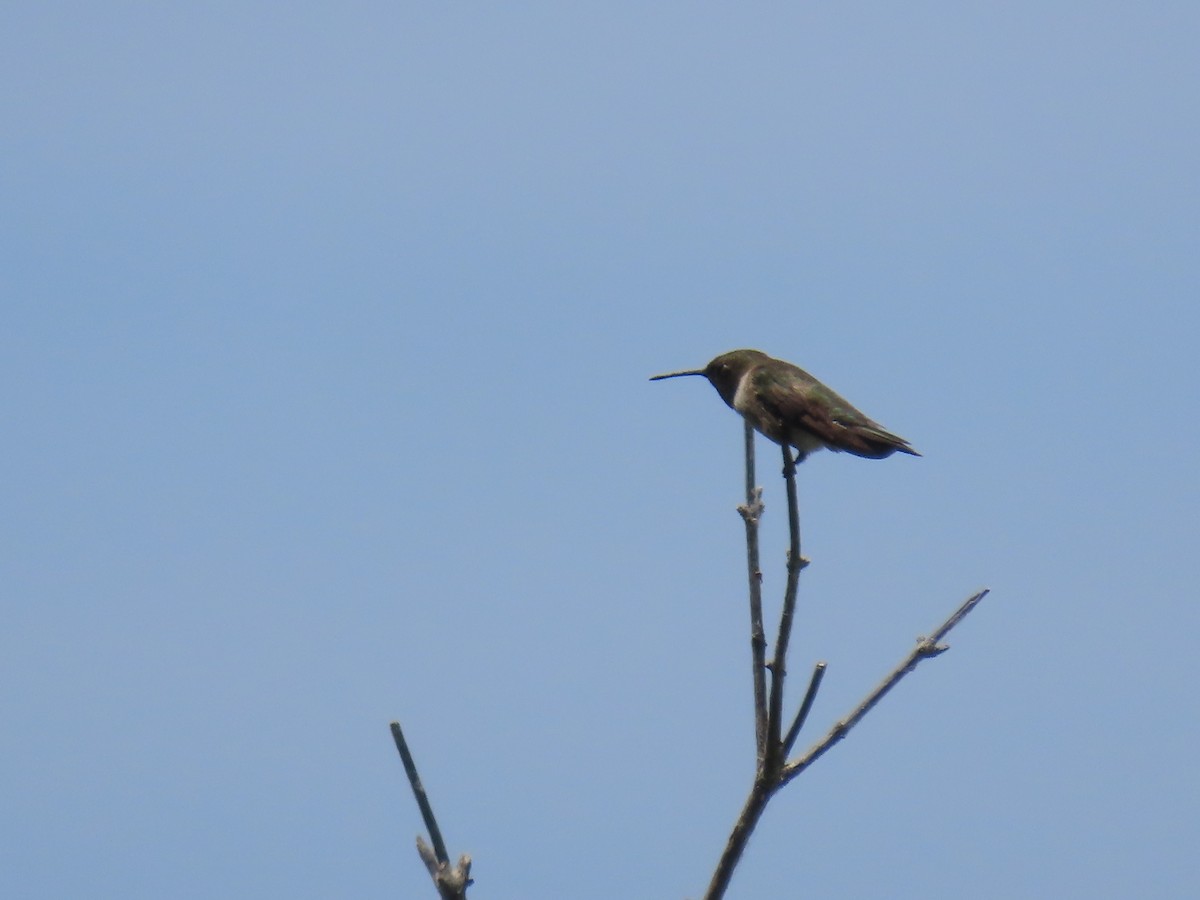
<point>725,372</point>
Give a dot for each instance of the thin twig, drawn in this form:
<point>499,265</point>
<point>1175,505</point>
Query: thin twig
<point>751,513</point>
<point>451,881</point>
<point>810,695</point>
<point>926,648</point>
<point>418,789</point>
<point>779,661</point>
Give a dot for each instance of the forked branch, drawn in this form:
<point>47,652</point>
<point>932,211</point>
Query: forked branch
<point>773,746</point>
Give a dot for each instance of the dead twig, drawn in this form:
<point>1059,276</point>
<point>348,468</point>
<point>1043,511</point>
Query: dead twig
<point>773,746</point>
<point>926,648</point>
<point>751,512</point>
<point>451,881</point>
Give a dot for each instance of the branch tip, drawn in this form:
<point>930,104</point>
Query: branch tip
<point>810,696</point>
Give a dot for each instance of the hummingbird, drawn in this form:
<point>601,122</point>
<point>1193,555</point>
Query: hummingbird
<point>790,407</point>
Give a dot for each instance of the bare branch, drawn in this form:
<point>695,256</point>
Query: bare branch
<point>756,802</point>
<point>772,771</point>
<point>814,684</point>
<point>451,880</point>
<point>795,562</point>
<point>926,648</point>
<point>418,789</point>
<point>751,513</point>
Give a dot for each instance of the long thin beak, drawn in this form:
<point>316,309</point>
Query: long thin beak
<point>678,374</point>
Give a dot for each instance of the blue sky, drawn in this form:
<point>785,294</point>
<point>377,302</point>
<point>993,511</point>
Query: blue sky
<point>326,338</point>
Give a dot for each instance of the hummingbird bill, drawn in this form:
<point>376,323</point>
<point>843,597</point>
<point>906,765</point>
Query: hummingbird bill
<point>788,406</point>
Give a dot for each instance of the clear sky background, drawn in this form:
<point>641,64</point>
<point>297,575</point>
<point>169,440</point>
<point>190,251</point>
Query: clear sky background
<point>326,331</point>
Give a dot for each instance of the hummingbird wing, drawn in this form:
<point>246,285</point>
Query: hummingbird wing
<point>800,402</point>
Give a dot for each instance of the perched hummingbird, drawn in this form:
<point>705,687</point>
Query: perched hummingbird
<point>789,406</point>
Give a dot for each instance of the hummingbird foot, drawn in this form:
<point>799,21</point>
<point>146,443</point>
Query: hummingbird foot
<point>789,466</point>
